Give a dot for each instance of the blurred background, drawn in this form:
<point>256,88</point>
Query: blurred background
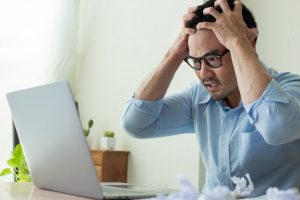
<point>105,48</point>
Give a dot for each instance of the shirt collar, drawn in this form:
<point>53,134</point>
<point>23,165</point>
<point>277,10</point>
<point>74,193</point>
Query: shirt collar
<point>203,99</point>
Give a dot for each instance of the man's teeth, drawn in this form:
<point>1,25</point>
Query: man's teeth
<point>212,84</point>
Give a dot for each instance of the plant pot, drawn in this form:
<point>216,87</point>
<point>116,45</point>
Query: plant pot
<point>108,143</point>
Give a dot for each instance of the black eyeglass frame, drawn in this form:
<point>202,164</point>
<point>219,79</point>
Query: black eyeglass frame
<point>199,60</point>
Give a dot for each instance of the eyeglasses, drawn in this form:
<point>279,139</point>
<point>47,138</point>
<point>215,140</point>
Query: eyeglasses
<point>212,60</point>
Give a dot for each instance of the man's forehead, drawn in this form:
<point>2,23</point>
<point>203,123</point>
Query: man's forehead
<point>202,42</point>
<point>204,36</point>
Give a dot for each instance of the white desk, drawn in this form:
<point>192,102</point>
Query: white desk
<point>26,191</point>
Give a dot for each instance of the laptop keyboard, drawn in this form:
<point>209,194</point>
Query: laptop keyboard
<point>132,191</point>
<point>117,190</point>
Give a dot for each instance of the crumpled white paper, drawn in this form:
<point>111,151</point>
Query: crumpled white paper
<point>187,191</point>
<point>290,194</point>
<point>218,193</point>
<point>243,188</point>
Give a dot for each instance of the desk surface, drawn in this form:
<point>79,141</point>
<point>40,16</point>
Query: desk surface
<point>26,191</point>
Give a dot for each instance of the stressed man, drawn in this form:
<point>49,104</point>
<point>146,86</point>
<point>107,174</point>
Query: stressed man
<point>245,115</point>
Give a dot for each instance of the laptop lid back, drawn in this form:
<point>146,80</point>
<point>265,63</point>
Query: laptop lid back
<point>54,145</point>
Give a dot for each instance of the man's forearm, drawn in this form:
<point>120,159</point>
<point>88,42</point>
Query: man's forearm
<point>251,76</point>
<point>155,86</point>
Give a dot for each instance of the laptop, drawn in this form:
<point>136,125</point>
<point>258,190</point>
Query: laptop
<point>55,148</point>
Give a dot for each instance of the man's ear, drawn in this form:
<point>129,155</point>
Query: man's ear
<point>253,43</point>
<point>252,35</point>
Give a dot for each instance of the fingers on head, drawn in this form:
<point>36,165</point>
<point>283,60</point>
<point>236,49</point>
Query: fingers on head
<point>188,17</point>
<point>211,11</point>
<point>238,6</point>
<point>223,4</point>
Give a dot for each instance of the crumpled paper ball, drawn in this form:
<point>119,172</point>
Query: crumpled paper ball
<point>187,191</point>
<point>243,186</point>
<point>290,194</point>
<point>217,193</point>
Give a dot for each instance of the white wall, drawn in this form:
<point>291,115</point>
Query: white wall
<point>6,137</point>
<point>120,43</point>
<point>30,48</point>
<point>279,30</point>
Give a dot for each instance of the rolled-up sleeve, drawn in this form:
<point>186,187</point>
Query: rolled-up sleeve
<point>168,116</point>
<point>276,114</point>
<point>139,115</point>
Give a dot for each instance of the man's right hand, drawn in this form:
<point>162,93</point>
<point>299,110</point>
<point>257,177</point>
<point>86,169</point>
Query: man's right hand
<point>155,86</point>
<point>180,46</point>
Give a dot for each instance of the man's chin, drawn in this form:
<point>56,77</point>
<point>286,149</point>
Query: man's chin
<point>216,96</point>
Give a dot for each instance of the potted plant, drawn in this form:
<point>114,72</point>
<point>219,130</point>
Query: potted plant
<point>18,166</point>
<point>108,141</point>
<point>86,130</point>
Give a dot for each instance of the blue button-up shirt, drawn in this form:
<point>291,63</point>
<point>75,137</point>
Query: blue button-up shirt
<point>261,138</point>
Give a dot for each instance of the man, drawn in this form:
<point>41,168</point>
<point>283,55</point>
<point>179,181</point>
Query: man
<point>244,114</point>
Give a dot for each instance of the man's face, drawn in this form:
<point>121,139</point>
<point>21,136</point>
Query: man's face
<point>220,82</point>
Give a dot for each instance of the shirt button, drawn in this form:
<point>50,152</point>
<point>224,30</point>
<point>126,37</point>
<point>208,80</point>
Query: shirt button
<point>224,169</point>
<point>223,142</point>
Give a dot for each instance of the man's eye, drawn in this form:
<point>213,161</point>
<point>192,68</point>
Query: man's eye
<point>196,61</point>
<point>212,58</point>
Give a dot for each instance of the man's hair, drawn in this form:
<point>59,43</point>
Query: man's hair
<point>200,17</point>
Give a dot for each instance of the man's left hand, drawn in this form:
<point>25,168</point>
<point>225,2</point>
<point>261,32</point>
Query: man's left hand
<point>229,26</point>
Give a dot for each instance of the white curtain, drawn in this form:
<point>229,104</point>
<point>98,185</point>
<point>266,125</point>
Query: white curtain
<point>38,44</point>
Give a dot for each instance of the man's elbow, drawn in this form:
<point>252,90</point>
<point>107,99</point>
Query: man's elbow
<point>132,129</point>
<point>280,136</point>
<point>273,140</point>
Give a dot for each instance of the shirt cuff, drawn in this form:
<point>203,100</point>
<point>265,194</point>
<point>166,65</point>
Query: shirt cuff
<point>147,107</point>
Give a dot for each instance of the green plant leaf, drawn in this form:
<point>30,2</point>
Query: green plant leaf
<point>18,166</point>
<point>17,151</point>
<point>23,168</point>
<point>14,162</point>
<point>23,177</point>
<point>5,171</point>
<point>86,132</point>
<point>91,122</point>
<point>109,134</point>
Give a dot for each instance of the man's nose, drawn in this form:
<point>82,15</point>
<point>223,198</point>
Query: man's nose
<point>206,71</point>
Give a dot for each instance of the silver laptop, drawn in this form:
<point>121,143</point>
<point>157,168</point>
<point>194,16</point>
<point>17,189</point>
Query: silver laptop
<point>57,153</point>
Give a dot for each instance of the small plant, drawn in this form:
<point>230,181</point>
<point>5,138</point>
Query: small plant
<point>108,141</point>
<point>109,134</point>
<point>86,130</point>
<point>18,166</point>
